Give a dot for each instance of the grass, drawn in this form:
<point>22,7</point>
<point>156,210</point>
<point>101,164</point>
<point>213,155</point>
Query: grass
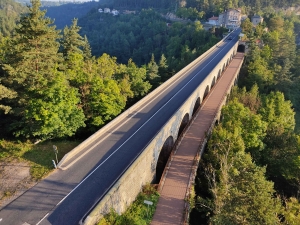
<point>40,155</point>
<point>138,213</point>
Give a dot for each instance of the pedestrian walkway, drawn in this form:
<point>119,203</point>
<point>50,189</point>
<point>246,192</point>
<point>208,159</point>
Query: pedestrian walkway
<point>171,206</point>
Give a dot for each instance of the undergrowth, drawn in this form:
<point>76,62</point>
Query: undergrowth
<point>138,213</point>
<point>39,156</point>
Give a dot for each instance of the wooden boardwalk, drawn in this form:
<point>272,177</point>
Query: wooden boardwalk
<point>171,206</point>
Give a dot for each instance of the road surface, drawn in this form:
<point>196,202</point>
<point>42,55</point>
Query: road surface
<point>64,197</point>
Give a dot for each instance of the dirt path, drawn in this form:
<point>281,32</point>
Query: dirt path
<point>15,179</point>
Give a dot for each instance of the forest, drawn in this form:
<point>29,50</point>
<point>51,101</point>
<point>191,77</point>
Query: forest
<point>56,84</point>
<point>250,172</point>
<point>64,90</point>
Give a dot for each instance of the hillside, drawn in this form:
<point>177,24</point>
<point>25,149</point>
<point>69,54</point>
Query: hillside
<point>64,14</point>
<point>9,13</point>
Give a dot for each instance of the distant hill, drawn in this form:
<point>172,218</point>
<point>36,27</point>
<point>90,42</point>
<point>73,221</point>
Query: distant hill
<point>10,12</point>
<point>65,13</point>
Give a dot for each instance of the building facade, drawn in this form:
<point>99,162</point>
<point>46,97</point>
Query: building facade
<point>256,19</point>
<point>230,18</point>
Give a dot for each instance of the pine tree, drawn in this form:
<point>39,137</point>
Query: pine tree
<point>152,72</point>
<point>46,105</point>
<point>72,42</point>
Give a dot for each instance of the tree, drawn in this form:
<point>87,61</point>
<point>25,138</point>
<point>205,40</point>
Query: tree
<point>240,193</point>
<point>152,72</point>
<point>291,211</point>
<point>46,106</point>
<point>72,42</point>
<point>6,93</point>
<point>103,96</point>
<point>260,74</point>
<point>247,27</point>
<point>277,112</point>
<point>137,79</point>
<point>252,127</point>
<point>163,69</point>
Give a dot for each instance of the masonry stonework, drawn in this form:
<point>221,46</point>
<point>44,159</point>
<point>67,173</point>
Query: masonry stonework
<point>143,169</point>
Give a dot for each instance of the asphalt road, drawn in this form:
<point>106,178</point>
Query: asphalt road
<point>64,197</point>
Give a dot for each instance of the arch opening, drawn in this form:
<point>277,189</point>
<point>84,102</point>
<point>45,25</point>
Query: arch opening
<point>196,106</point>
<point>241,48</point>
<point>163,158</point>
<point>219,74</point>
<point>213,82</point>
<point>183,124</point>
<point>206,92</point>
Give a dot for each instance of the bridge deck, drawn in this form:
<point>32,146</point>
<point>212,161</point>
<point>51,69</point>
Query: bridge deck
<point>171,204</point>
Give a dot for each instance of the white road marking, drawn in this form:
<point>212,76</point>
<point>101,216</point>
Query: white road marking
<point>121,145</point>
<point>125,121</point>
<point>137,129</point>
<point>42,219</point>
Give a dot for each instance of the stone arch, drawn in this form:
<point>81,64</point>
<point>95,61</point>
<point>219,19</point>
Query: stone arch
<point>163,158</point>
<point>223,69</point>
<point>216,122</point>
<point>219,74</point>
<point>235,80</point>
<point>227,62</point>
<point>197,105</point>
<point>206,92</point>
<point>183,124</point>
<point>213,82</point>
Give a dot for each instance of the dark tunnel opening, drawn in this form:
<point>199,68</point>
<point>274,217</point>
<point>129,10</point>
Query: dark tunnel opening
<point>241,48</point>
<point>163,158</point>
<point>183,124</point>
<point>197,105</point>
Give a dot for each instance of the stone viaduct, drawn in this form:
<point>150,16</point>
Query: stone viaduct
<point>149,166</point>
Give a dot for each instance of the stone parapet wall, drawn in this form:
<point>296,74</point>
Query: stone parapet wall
<point>143,169</point>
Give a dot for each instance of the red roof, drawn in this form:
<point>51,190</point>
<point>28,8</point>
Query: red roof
<point>213,18</point>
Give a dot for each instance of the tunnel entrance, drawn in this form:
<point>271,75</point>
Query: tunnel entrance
<point>163,158</point>
<point>197,105</point>
<point>241,48</point>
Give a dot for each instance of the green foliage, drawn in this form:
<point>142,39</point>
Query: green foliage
<point>239,192</point>
<point>189,13</point>
<point>291,211</point>
<point>136,76</point>
<point>251,126</point>
<point>45,106</point>
<point>40,155</point>
<point>247,27</point>
<point>236,189</point>
<point>71,42</point>
<point>10,12</point>
<point>140,35</point>
<point>6,93</point>
<point>138,212</point>
<point>277,112</point>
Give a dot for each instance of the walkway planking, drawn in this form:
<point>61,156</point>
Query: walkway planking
<point>171,205</point>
